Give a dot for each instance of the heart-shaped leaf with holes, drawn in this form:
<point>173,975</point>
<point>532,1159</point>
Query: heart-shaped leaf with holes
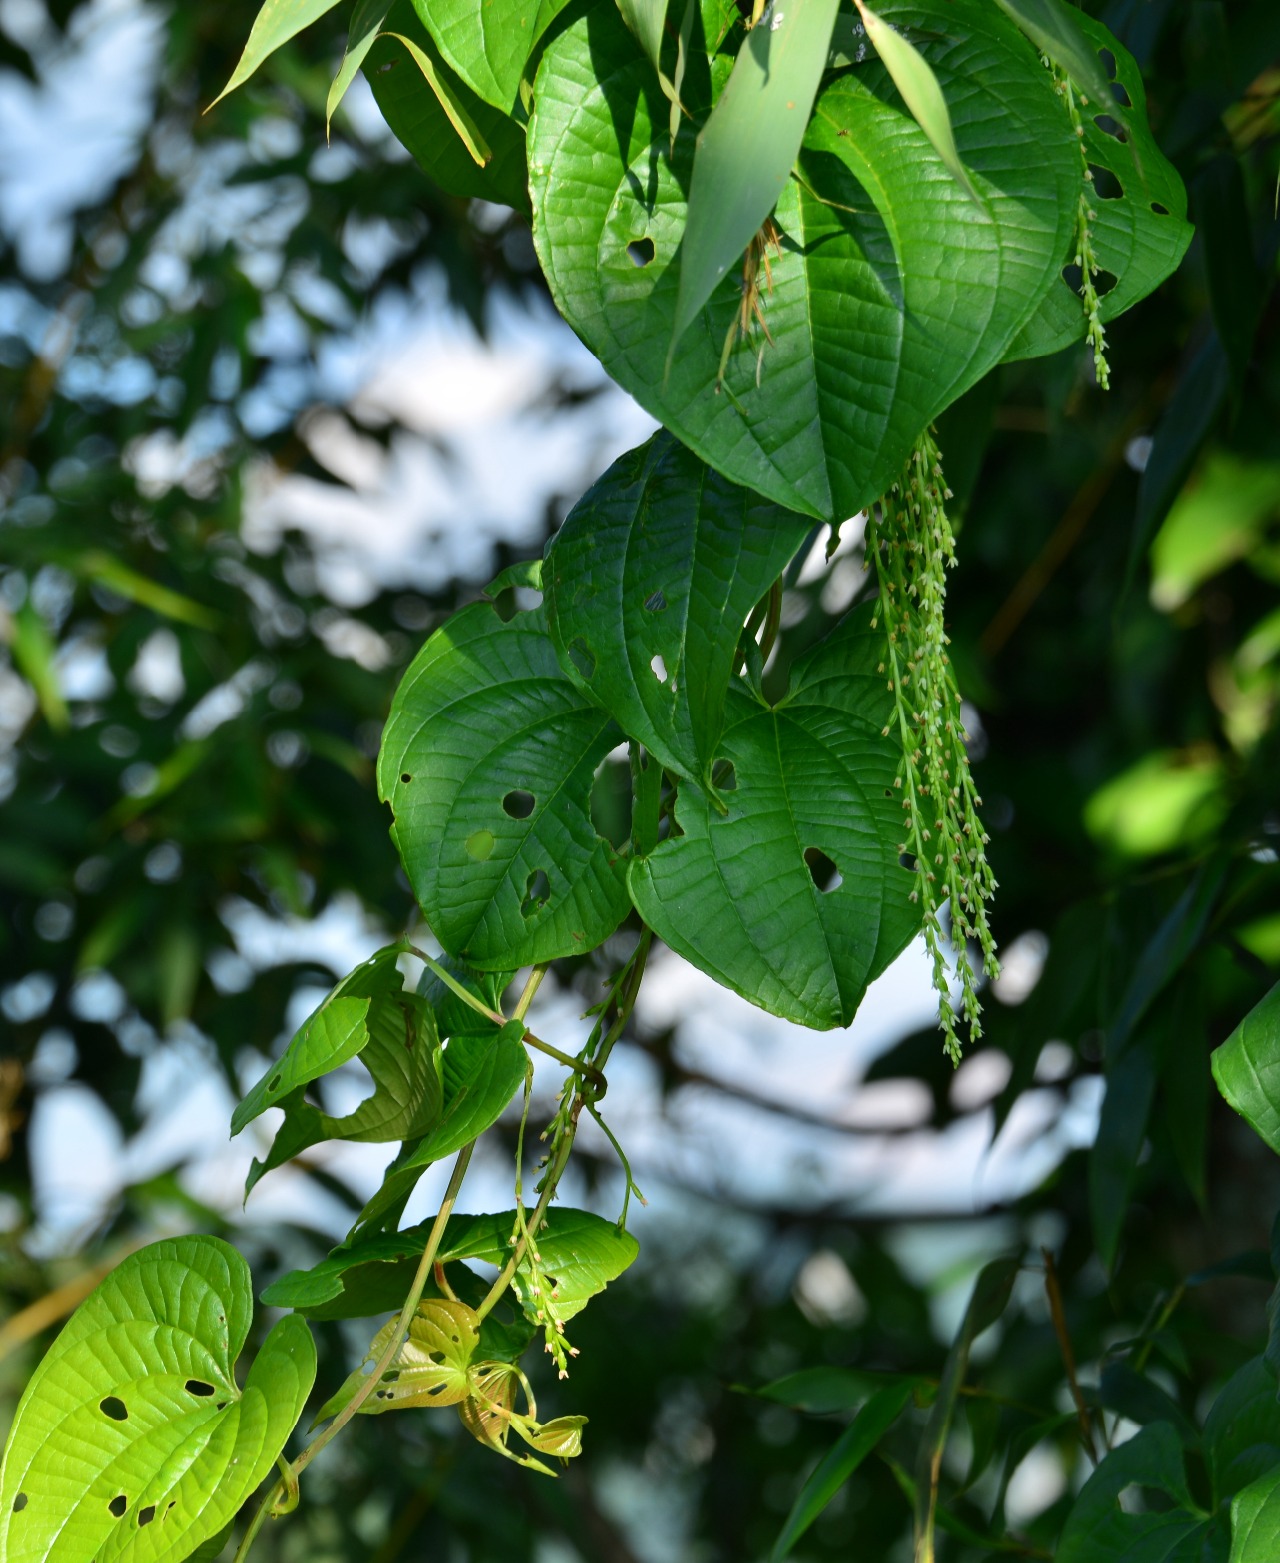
<point>885,264</point>
<point>795,898</point>
<point>487,761</point>
<point>1140,231</point>
<point>429,1369</point>
<point>460,141</point>
<point>369,1014</point>
<point>133,1440</point>
<point>649,582</point>
<point>482,1072</point>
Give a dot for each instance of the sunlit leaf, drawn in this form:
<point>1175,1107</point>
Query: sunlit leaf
<point>645,18</point>
<point>428,1369</point>
<point>489,45</point>
<point>1054,28</point>
<point>1255,1521</point>
<point>366,22</point>
<point>1247,1068</point>
<point>275,24</point>
<point>133,1441</point>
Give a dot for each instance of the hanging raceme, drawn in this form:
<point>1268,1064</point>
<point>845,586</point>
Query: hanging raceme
<point>910,539</point>
<point>1086,260</point>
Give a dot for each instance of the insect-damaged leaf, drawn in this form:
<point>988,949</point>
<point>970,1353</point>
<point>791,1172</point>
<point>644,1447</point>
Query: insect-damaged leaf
<point>275,24</point>
<point>1054,28</point>
<point>649,582</point>
<point>886,263</point>
<point>746,149</point>
<point>368,1014</point>
<point>428,1369</point>
<point>487,760</point>
<point>133,1442</point>
<point>795,898</point>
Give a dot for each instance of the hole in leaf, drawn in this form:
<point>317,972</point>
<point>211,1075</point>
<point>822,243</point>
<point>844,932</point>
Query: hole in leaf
<point>1159,210</point>
<point>641,251</point>
<point>222,1405</point>
<point>907,860</point>
<point>405,777</point>
<point>480,844</point>
<point>145,1516</point>
<point>197,1386</point>
<point>659,668</point>
<point>1108,63</point>
<point>1106,186</point>
<point>1103,281</point>
<point>1120,93</point>
<point>723,776</point>
<point>20,1503</point>
<point>537,889</point>
<point>274,1083</point>
<point>118,1505</point>
<point>582,657</point>
<point>115,1409</point>
<point>391,1376</point>
<point>611,801</point>
<point>822,870</point>
<point>1110,127</point>
<point>519,804</point>
<point>657,602</point>
<point>383,1394</point>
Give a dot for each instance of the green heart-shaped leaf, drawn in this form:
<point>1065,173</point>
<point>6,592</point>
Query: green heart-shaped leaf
<point>435,115</point>
<point>394,1033</point>
<point>1140,233</point>
<point>746,896</point>
<point>649,582</point>
<point>893,293</point>
<point>133,1442</point>
<point>487,761</point>
<point>489,45</point>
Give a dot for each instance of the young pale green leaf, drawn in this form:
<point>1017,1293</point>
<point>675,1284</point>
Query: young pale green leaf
<point>490,45</point>
<point>1247,1068</point>
<point>1098,1530</point>
<point>1054,28</point>
<point>429,1369</point>
<point>646,18</point>
<point>561,1437</point>
<point>914,78</point>
<point>482,1072</point>
<point>1255,1521</point>
<point>423,108</point>
<point>1140,232</point>
<point>366,1276</point>
<point>487,760</point>
<point>275,24</point>
<point>835,1468</point>
<point>394,1033</point>
<point>748,147</point>
<point>133,1441</point>
<point>795,898</point>
<point>649,583</point>
<point>366,23</point>
<point>886,263</point>
<point>1242,1430</point>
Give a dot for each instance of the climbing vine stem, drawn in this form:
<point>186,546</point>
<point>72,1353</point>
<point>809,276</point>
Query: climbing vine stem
<point>910,538</point>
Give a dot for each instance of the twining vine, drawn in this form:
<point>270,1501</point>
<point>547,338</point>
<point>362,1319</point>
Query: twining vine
<point>790,842</point>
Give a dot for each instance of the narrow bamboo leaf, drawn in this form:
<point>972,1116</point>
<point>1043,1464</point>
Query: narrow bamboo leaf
<point>914,78</point>
<point>823,1390</point>
<point>1242,1430</point>
<point>1247,1068</point>
<point>367,1276</point>
<point>490,45</point>
<point>95,565</point>
<point>429,1369</point>
<point>1140,230</point>
<point>649,583</point>
<point>366,23</point>
<point>748,147</point>
<point>417,116</point>
<point>1122,1128</point>
<point>276,23</point>
<point>795,898</point>
<point>35,653</point>
<point>991,1292</point>
<point>1055,30</point>
<point>1255,1521</point>
<point>488,759</point>
<point>450,100</point>
<point>839,1463</point>
<point>482,1072</point>
<point>645,18</point>
<point>885,261</point>
<point>1098,1530</point>
<point>133,1441</point>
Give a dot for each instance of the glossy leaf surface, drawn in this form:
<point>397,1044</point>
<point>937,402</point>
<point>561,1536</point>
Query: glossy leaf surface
<point>275,24</point>
<point>489,45</point>
<point>739,894</point>
<point>1247,1068</point>
<point>886,263</point>
<point>133,1441</point>
<point>649,583</point>
<point>428,1369</point>
<point>487,760</point>
<point>1255,1521</point>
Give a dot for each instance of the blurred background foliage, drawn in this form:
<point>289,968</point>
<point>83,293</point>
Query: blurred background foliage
<point>189,708</point>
